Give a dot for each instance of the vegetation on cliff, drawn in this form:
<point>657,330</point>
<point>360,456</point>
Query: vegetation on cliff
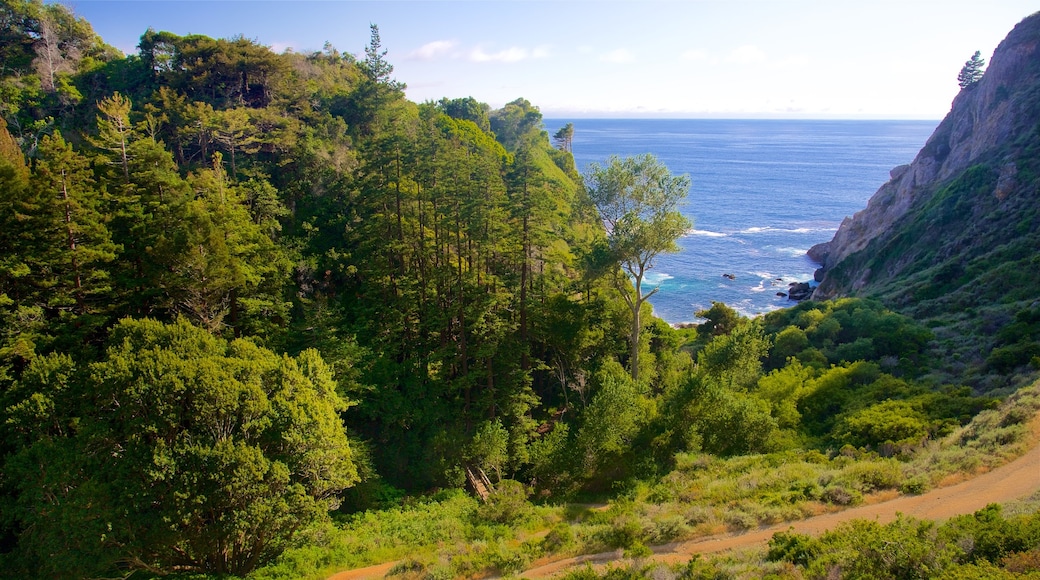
<point>960,254</point>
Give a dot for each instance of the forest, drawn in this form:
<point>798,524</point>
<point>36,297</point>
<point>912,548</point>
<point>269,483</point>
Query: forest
<point>261,316</point>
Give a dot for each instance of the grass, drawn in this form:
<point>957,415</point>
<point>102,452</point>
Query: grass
<point>449,535</point>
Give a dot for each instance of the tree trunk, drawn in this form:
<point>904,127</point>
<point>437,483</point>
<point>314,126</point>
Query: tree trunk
<point>633,337</point>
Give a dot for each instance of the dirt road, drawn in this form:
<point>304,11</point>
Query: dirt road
<point>1012,481</point>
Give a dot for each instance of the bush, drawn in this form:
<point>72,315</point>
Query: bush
<point>905,549</point>
<point>897,422</point>
<point>792,547</point>
<point>507,504</point>
<point>841,495</point>
<point>914,486</point>
<point>559,539</point>
<point>870,476</point>
<point>624,532</point>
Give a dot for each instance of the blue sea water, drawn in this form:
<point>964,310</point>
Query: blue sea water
<point>763,192</point>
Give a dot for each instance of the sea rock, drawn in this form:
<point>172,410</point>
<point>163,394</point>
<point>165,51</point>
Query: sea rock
<point>799,291</point>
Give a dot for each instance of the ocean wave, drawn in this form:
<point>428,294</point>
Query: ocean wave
<point>706,233</point>
<point>793,252</point>
<point>655,278</point>
<point>770,229</point>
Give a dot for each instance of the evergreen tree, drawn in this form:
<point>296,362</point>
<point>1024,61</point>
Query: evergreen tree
<point>971,72</point>
<point>564,138</point>
<point>70,262</point>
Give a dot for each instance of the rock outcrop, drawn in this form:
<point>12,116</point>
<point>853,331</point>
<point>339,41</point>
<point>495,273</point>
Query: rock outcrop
<point>988,123</point>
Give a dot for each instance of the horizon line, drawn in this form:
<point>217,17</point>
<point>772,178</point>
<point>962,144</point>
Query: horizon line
<point>735,117</point>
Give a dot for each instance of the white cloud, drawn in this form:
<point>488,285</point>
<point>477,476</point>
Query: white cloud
<point>432,50</point>
<point>695,55</point>
<point>747,54</point>
<point>793,62</point>
<point>511,54</point>
<point>280,47</point>
<point>619,55</point>
<point>540,52</point>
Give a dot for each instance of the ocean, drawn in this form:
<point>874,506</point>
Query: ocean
<point>762,193</point>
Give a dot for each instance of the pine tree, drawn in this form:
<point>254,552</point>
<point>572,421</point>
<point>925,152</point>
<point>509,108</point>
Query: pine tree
<point>74,244</point>
<point>971,72</point>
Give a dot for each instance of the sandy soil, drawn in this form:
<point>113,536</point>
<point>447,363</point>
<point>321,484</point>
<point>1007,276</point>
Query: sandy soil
<point>1012,481</point>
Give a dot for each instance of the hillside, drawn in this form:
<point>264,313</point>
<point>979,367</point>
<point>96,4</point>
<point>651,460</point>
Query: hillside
<point>952,238</point>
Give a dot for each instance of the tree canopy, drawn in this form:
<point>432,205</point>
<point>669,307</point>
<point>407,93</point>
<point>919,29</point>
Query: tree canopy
<point>637,199</point>
<point>182,452</point>
<point>971,72</point>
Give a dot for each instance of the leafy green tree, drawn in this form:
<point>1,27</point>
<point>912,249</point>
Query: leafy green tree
<point>515,122</point>
<point>179,452</point>
<point>612,421</point>
<point>489,447</point>
<point>467,109</point>
<point>971,72</point>
<point>564,138</point>
<point>718,320</point>
<point>734,360</point>
<point>637,200</point>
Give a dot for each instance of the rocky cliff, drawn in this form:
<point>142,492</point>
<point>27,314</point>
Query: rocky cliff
<point>985,122</point>
<point>953,239</point>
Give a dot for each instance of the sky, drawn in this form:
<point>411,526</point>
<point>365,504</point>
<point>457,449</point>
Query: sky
<point>882,59</point>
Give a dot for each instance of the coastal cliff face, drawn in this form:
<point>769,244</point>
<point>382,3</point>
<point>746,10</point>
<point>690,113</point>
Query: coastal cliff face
<point>992,124</point>
<point>953,239</point>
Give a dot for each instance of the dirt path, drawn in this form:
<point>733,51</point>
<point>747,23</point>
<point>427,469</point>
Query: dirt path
<point>1009,482</point>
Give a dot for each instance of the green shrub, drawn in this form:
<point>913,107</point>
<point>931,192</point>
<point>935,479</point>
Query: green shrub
<point>507,504</point>
<point>871,476</point>
<point>624,532</point>
<point>914,486</point>
<point>792,547</point>
<point>559,539</point>
<point>668,529</point>
<point>905,549</point>
<point>897,422</point>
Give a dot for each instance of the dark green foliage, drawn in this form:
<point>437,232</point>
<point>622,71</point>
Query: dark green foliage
<point>971,72</point>
<point>179,451</point>
<point>847,330</point>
